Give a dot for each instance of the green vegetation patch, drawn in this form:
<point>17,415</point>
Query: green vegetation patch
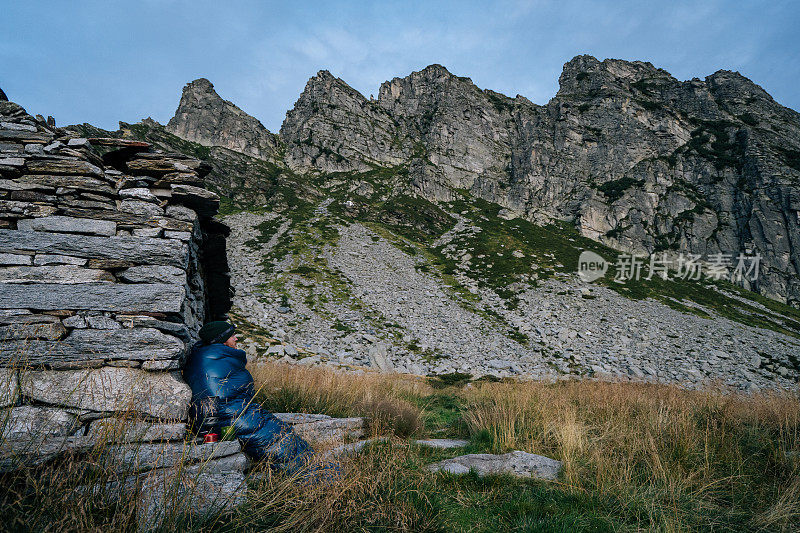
<point>712,141</point>
<point>615,189</point>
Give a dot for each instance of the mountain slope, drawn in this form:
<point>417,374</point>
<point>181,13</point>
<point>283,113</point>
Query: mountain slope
<point>349,267</point>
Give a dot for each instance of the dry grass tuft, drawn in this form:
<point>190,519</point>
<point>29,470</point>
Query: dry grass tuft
<point>381,397</point>
<point>659,444</point>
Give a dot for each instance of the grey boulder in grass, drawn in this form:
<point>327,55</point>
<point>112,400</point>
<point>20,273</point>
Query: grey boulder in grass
<point>516,463</point>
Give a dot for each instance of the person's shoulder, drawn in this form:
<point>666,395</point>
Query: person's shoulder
<point>219,350</point>
<point>206,350</point>
<point>234,352</point>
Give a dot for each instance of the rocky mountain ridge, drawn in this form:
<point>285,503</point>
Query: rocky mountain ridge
<point>350,245</point>
<point>633,157</point>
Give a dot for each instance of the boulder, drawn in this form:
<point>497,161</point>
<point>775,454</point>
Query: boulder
<point>203,201</point>
<point>181,213</point>
<point>51,183</point>
<point>130,458</point>
<point>61,274</point>
<point>151,165</point>
<point>153,274</point>
<point>378,357</point>
<point>158,394</point>
<point>14,209</point>
<point>15,259</point>
<point>18,317</point>
<point>25,136</point>
<point>318,428</point>
<point>47,331</point>
<point>178,329</point>
<point>104,322</point>
<point>125,430</point>
<point>196,493</point>
<point>118,143</point>
<point>276,350</point>
<point>62,166</point>
<point>48,259</point>
<point>138,193</point>
<point>216,484</point>
<point>516,463</point>
<point>34,450</point>
<point>139,207</point>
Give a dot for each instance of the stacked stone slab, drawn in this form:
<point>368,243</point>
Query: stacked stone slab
<point>110,262</point>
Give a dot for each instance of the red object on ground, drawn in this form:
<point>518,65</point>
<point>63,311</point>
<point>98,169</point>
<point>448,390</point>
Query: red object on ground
<point>210,437</point>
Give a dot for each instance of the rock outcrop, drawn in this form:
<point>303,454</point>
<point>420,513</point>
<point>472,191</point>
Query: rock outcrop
<point>205,118</point>
<point>109,264</point>
<point>516,463</point>
<point>333,128</point>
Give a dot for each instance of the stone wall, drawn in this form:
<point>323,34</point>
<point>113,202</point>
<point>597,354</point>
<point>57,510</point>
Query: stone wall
<point>109,264</point>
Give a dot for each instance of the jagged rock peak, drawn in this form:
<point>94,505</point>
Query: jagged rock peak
<point>327,108</point>
<point>3,97</point>
<point>323,75</point>
<point>202,84</point>
<point>205,118</point>
<point>733,85</point>
<point>585,74</point>
<point>434,75</point>
<point>323,86</point>
<point>437,71</point>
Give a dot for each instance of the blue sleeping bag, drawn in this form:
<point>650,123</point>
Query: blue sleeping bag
<point>223,395</point>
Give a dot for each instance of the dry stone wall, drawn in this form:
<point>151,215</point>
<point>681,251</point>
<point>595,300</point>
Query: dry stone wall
<point>109,264</point>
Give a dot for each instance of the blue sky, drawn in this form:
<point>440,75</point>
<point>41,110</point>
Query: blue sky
<point>105,61</point>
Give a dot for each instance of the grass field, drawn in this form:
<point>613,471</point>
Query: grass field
<point>637,457</point>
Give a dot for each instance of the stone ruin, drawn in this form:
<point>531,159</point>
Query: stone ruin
<point>110,262</point>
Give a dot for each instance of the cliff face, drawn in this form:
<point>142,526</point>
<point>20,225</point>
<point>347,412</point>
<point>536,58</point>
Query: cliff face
<point>205,118</point>
<point>632,156</point>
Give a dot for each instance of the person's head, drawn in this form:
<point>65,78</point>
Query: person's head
<point>231,341</point>
<point>219,331</point>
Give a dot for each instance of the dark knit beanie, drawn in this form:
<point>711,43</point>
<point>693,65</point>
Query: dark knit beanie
<point>217,331</point>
